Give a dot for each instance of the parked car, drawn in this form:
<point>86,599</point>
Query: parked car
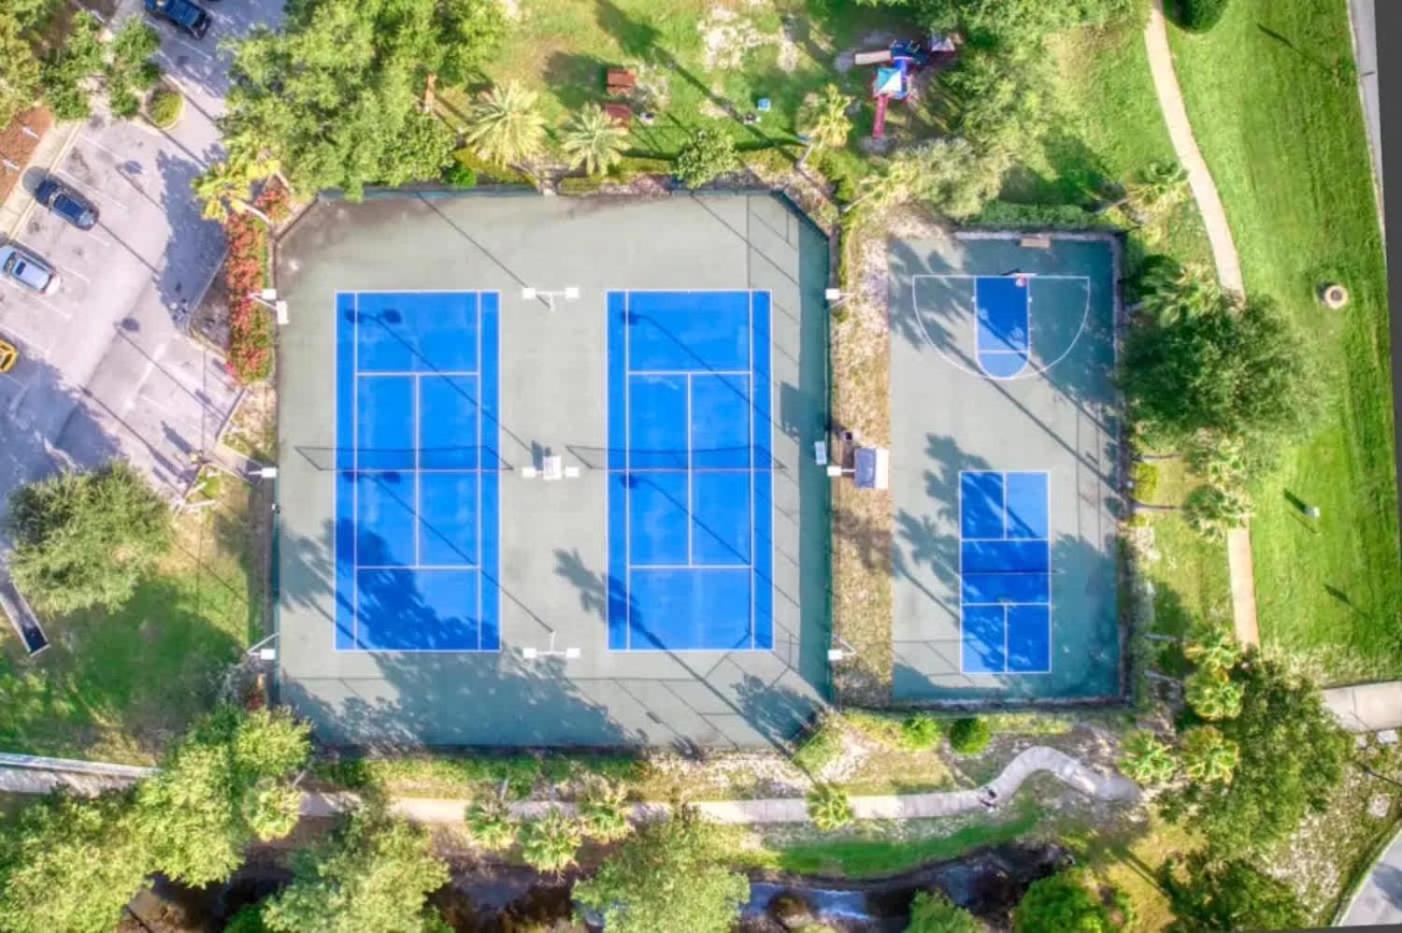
<point>9,354</point>
<point>24,268</point>
<point>66,203</point>
<point>184,15</point>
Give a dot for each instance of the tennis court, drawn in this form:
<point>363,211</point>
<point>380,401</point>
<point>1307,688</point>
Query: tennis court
<point>546,470</point>
<point>1004,467</point>
<point>690,487</point>
<point>417,471</point>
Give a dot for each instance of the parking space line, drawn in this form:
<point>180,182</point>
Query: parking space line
<point>77,275</point>
<point>96,194</point>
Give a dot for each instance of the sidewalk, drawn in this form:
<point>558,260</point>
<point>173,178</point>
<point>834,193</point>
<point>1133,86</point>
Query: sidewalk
<point>1367,707</point>
<point>439,810</point>
<point>1224,256</point>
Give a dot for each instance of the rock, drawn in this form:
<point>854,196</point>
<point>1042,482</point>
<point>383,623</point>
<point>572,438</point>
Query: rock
<point>1387,737</point>
<point>1378,806</point>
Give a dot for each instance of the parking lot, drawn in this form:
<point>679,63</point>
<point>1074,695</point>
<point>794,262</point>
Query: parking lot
<point>106,367</point>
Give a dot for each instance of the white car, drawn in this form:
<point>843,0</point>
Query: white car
<point>23,267</point>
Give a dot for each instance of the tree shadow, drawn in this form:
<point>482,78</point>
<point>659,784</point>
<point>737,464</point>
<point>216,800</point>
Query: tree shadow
<point>576,78</point>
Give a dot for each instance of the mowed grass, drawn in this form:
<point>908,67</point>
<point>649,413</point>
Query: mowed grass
<point>1274,104</point>
<point>699,60</point>
<point>118,686</point>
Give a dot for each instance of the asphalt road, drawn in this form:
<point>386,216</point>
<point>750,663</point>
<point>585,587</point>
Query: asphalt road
<point>1379,899</point>
<point>107,368</point>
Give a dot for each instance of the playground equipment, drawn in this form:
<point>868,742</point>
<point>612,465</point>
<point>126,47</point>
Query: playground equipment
<point>896,68</point>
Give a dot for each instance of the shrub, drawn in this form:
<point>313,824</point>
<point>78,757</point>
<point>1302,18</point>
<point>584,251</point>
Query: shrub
<point>577,185</point>
<point>1145,479</point>
<point>829,807</point>
<point>250,350</point>
<point>920,731</point>
<point>603,810</point>
<point>1200,15</point>
<point>631,167</point>
<point>459,175</point>
<point>490,825</point>
<point>165,107</point>
<point>488,172</point>
<point>549,843</point>
<point>969,735</point>
<point>933,912</point>
<point>710,152</point>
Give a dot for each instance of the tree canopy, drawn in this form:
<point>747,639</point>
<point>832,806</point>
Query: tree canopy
<point>932,912</point>
<point>19,69</point>
<point>70,865</point>
<point>1291,755</point>
<point>1061,903</point>
<point>1209,895</point>
<point>1199,363</point>
<point>708,153</point>
<point>86,539</point>
<point>670,875</point>
<point>224,785</point>
<point>376,874</point>
<point>334,96</point>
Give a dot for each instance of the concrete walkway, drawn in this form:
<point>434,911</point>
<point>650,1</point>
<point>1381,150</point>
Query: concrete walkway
<point>1068,770</point>
<point>1367,707</point>
<point>1378,900</point>
<point>1224,256</point>
<point>1362,18</point>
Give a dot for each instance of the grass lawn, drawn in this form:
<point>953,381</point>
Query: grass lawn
<point>118,686</point>
<point>694,60</point>
<point>1275,108</point>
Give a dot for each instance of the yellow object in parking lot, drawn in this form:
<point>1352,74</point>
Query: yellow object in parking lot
<point>8,356</point>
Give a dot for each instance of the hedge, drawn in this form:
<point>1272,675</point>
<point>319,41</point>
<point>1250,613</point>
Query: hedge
<point>165,107</point>
<point>488,172</point>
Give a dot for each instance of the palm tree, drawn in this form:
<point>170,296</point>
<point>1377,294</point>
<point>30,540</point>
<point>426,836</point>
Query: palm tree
<point>1209,757</point>
<point>826,123</point>
<point>1213,648</point>
<point>1147,759</point>
<point>504,126</point>
<point>1223,461</point>
<point>829,807</point>
<point>1160,183</point>
<point>1214,510</point>
<point>228,185</point>
<point>1213,696</point>
<point>593,141</point>
<point>549,844</point>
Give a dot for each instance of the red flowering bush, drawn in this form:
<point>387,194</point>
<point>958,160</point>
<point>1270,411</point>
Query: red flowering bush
<point>250,352</point>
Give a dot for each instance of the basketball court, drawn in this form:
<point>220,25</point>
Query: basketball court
<point>546,474</point>
<point>1005,425</point>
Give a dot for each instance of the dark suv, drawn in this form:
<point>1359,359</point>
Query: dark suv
<point>186,16</point>
<point>66,203</point>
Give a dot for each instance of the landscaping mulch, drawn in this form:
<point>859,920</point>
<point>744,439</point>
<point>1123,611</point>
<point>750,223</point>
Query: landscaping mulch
<point>18,146</point>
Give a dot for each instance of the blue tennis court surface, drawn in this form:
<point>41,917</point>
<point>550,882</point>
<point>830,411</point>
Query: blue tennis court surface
<point>416,471</point>
<point>1002,303</point>
<point>1005,573</point>
<point>690,483</point>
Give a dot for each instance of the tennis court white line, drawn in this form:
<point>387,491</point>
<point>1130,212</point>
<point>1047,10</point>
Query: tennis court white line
<point>733,373</point>
<point>415,374</point>
<point>732,567</point>
<point>394,567</point>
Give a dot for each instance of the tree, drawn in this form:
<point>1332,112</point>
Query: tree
<point>829,808</point>
<point>1228,894</point>
<point>225,784</point>
<point>1213,647</point>
<point>1147,759</point>
<point>920,731</point>
<point>709,152</point>
<point>490,824</point>
<point>1292,755</point>
<point>1236,372</point>
<point>376,874</point>
<point>670,875</point>
<point>70,865</point>
<point>948,174</point>
<point>1061,903</point>
<point>1213,695</point>
<point>228,185</point>
<point>1212,511</point>
<point>335,96</point>
<point>129,67</point>
<point>549,844</point>
<point>1018,23</point>
<point>505,127</point>
<point>1199,15</point>
<point>932,912</point>
<point>1223,461</point>
<point>825,121</point>
<point>1167,291</point>
<point>86,539</point>
<point>603,810</point>
<point>1208,756</point>
<point>593,141</point>
<point>19,70</point>
<point>421,151</point>
<point>65,69</point>
<point>1159,184</point>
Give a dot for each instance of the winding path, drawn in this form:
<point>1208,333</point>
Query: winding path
<point>1070,771</point>
<point>1224,256</point>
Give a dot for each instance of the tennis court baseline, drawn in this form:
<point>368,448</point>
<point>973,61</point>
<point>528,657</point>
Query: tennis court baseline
<point>417,496</point>
<point>1005,573</point>
<point>690,494</point>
